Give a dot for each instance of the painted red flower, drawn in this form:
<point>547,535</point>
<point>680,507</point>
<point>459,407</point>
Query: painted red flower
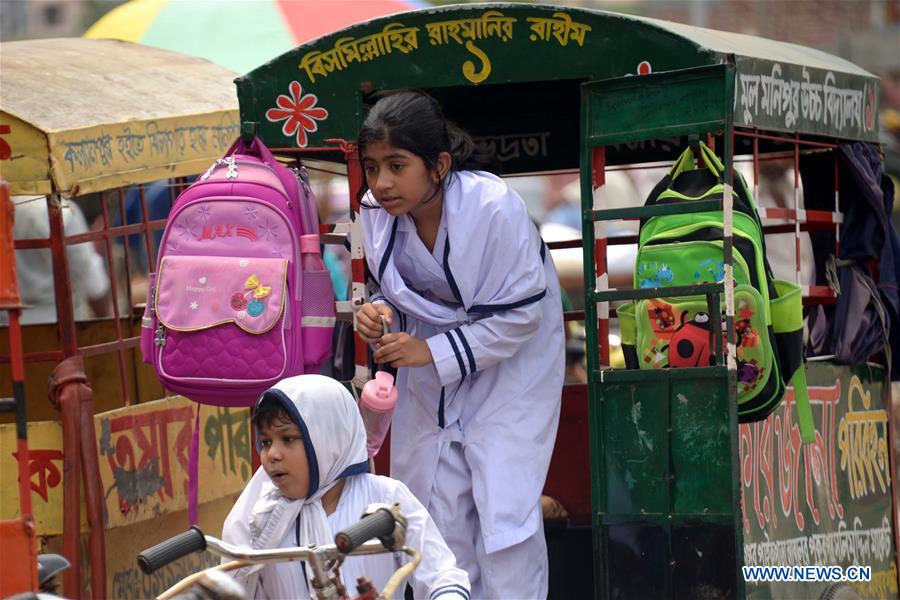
<point>299,113</point>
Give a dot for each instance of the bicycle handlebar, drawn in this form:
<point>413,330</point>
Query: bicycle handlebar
<point>380,520</point>
<point>379,524</point>
<point>171,550</point>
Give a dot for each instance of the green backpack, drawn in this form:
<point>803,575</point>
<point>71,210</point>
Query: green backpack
<point>686,249</point>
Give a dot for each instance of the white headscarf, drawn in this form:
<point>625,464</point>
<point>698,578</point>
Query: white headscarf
<point>335,442</point>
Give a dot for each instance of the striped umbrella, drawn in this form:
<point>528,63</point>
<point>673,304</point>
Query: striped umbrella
<point>237,34</point>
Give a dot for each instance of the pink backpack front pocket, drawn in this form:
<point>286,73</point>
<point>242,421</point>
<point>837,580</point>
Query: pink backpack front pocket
<point>218,316</point>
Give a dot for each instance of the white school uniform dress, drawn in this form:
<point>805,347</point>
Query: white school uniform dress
<point>335,440</point>
<point>473,433</point>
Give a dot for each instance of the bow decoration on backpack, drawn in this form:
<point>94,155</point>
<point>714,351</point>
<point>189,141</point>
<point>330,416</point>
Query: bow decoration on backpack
<point>259,290</point>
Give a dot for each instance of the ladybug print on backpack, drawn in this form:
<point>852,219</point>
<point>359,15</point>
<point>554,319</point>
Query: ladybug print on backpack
<point>690,344</point>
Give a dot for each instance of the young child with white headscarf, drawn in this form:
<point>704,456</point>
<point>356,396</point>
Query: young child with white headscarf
<point>314,481</point>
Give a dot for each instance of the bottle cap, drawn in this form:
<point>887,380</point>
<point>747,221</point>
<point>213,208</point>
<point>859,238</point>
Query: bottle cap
<point>380,394</point>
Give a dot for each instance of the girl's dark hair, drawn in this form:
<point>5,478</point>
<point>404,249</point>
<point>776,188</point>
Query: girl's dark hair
<point>414,121</point>
<point>268,411</point>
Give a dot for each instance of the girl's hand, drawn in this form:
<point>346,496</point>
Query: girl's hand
<point>368,321</point>
<point>403,350</point>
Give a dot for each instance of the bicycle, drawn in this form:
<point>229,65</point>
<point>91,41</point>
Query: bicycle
<point>381,521</point>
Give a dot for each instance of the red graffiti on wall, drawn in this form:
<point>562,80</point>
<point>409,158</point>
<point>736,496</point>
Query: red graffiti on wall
<point>145,470</point>
<point>778,436</point>
<point>40,463</point>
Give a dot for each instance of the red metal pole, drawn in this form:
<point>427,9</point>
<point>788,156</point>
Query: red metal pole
<point>68,407</point>
<point>92,490</point>
<point>357,260</point>
<point>62,281</point>
<point>18,381</point>
<point>117,317</point>
<point>598,179</point>
<point>10,301</point>
<point>70,392</point>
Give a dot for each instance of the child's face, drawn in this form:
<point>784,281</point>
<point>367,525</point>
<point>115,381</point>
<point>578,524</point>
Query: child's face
<point>399,179</point>
<point>283,456</point>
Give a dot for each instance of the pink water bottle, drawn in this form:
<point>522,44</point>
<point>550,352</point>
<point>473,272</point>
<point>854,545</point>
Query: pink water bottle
<point>376,405</point>
<point>311,253</point>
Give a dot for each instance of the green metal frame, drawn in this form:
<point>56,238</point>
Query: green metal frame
<point>655,460</point>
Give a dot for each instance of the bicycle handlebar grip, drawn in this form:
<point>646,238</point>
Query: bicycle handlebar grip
<point>171,549</point>
<point>379,524</point>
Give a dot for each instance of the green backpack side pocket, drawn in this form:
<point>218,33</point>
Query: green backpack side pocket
<point>787,323</point>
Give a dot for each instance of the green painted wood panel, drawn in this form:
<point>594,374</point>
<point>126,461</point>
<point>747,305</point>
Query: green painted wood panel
<point>692,101</point>
<point>509,73</point>
<point>701,447</point>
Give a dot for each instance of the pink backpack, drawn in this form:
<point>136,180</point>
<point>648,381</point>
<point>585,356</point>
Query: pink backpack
<point>241,298</point>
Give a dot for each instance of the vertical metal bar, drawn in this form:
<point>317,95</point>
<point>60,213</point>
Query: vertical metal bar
<point>714,306</point>
<point>71,496</point>
<point>113,284</point>
<point>17,365</point>
<point>797,208</point>
<point>733,426</point>
<point>69,391</point>
<point>595,403</point>
<point>357,261</point>
<point>148,241</point>
<point>598,180</point>
<point>125,244</point>
<point>670,490</point>
<point>62,280</point>
<point>728,251</point>
<point>93,493</point>
<point>837,208</point>
<point>756,165</point>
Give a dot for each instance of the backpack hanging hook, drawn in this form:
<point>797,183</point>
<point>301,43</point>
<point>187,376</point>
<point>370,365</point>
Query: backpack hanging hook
<point>248,132</point>
<point>694,142</point>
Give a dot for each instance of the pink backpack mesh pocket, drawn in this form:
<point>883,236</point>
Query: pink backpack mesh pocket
<point>317,322</point>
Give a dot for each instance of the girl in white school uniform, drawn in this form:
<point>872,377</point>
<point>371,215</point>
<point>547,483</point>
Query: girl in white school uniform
<point>314,481</point>
<point>472,298</point>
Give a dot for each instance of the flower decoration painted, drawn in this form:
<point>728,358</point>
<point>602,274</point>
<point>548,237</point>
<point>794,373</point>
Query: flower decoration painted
<point>299,113</point>
<point>238,302</point>
<point>255,308</point>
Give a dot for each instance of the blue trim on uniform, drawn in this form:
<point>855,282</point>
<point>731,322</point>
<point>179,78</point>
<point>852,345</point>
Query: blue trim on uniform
<point>441,410</point>
<point>450,589</point>
<point>359,468</point>
<point>450,280</point>
<point>465,343</point>
<point>294,414</point>
<point>459,360</point>
<point>390,247</point>
<point>543,250</point>
<point>492,308</point>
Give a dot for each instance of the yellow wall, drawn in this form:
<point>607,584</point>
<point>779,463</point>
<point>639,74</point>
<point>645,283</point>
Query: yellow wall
<point>143,452</point>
